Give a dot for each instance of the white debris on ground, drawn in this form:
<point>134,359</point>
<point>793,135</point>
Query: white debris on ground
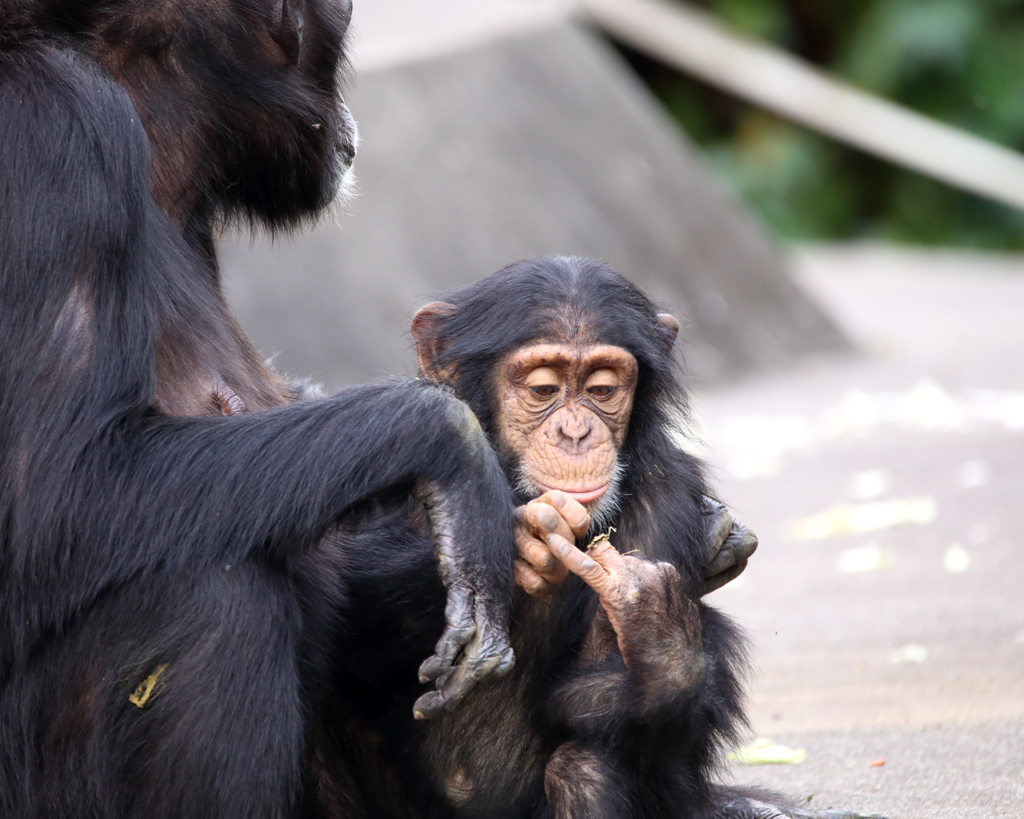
<point>765,752</point>
<point>870,484</point>
<point>906,643</point>
<point>870,558</point>
<point>755,446</point>
<point>858,519</point>
<point>957,559</point>
<point>910,654</point>
<point>974,474</point>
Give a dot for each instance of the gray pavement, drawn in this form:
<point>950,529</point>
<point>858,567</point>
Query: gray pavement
<point>877,641</point>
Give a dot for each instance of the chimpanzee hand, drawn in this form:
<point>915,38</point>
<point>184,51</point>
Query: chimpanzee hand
<point>536,570</point>
<point>730,545</point>
<point>656,624</point>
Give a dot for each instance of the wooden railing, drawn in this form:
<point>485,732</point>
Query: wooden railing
<point>694,42</point>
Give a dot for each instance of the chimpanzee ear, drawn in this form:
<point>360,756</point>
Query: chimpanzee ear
<point>429,335</point>
<point>286,28</point>
<point>671,325</point>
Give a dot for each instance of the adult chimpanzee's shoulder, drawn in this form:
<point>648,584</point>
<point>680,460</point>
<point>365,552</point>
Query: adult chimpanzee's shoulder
<point>42,78</point>
<point>75,217</point>
<point>68,133</point>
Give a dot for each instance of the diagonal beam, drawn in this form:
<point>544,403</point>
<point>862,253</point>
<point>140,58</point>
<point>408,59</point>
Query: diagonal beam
<point>694,42</point>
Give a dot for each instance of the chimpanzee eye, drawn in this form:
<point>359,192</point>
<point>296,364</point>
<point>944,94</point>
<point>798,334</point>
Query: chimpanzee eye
<point>544,391</point>
<point>602,391</point>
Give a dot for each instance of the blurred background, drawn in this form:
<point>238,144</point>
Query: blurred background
<point>959,61</point>
<point>831,196</point>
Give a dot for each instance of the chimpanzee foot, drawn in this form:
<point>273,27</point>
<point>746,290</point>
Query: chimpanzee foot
<point>799,813</point>
<point>475,642</point>
<point>730,545</point>
<point>472,647</point>
<point>740,803</point>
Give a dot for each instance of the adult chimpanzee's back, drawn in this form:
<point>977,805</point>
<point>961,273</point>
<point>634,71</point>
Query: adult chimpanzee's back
<point>162,495</point>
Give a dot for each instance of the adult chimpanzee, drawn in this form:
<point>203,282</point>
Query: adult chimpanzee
<point>619,701</point>
<point>158,624</point>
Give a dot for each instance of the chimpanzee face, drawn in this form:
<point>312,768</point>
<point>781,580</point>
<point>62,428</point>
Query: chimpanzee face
<point>240,100</point>
<point>563,414</point>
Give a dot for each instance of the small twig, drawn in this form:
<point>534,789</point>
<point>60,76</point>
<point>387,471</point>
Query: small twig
<point>601,538</point>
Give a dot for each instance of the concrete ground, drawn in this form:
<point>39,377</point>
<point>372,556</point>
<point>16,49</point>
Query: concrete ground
<point>886,601</point>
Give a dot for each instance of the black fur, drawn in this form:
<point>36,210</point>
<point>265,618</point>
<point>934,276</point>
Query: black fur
<point>163,556</point>
<point>614,754</point>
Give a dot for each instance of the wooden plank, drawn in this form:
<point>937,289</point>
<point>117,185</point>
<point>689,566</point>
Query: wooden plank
<point>694,42</point>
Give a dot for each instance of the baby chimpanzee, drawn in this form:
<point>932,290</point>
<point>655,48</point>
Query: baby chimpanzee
<point>626,685</point>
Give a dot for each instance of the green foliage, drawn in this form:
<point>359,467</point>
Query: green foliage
<point>959,61</point>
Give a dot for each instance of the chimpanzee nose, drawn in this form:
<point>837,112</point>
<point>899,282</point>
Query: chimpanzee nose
<point>575,426</point>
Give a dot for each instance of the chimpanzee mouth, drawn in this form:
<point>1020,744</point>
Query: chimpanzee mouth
<point>603,505</point>
<point>347,147</point>
<point>348,137</point>
<point>584,496</point>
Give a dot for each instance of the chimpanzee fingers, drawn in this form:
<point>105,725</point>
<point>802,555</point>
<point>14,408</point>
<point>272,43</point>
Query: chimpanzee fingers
<point>458,631</point>
<point>429,706</point>
<point>718,524</point>
<point>436,703</point>
<point>580,563</point>
<point>506,662</point>
<point>448,647</point>
<point>486,658</point>
<point>482,658</point>
<point>526,578</point>
<point>537,555</point>
<point>540,519</point>
<point>607,555</point>
<point>572,511</point>
<point>474,645</point>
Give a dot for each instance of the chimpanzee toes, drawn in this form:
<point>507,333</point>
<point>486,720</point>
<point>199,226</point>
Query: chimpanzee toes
<point>505,664</point>
<point>800,813</point>
<point>480,660</point>
<point>452,641</point>
<point>718,524</point>
<point>473,647</point>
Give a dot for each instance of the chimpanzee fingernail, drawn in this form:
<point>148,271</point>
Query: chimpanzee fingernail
<point>588,564</point>
<point>418,715</point>
<point>558,544</point>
